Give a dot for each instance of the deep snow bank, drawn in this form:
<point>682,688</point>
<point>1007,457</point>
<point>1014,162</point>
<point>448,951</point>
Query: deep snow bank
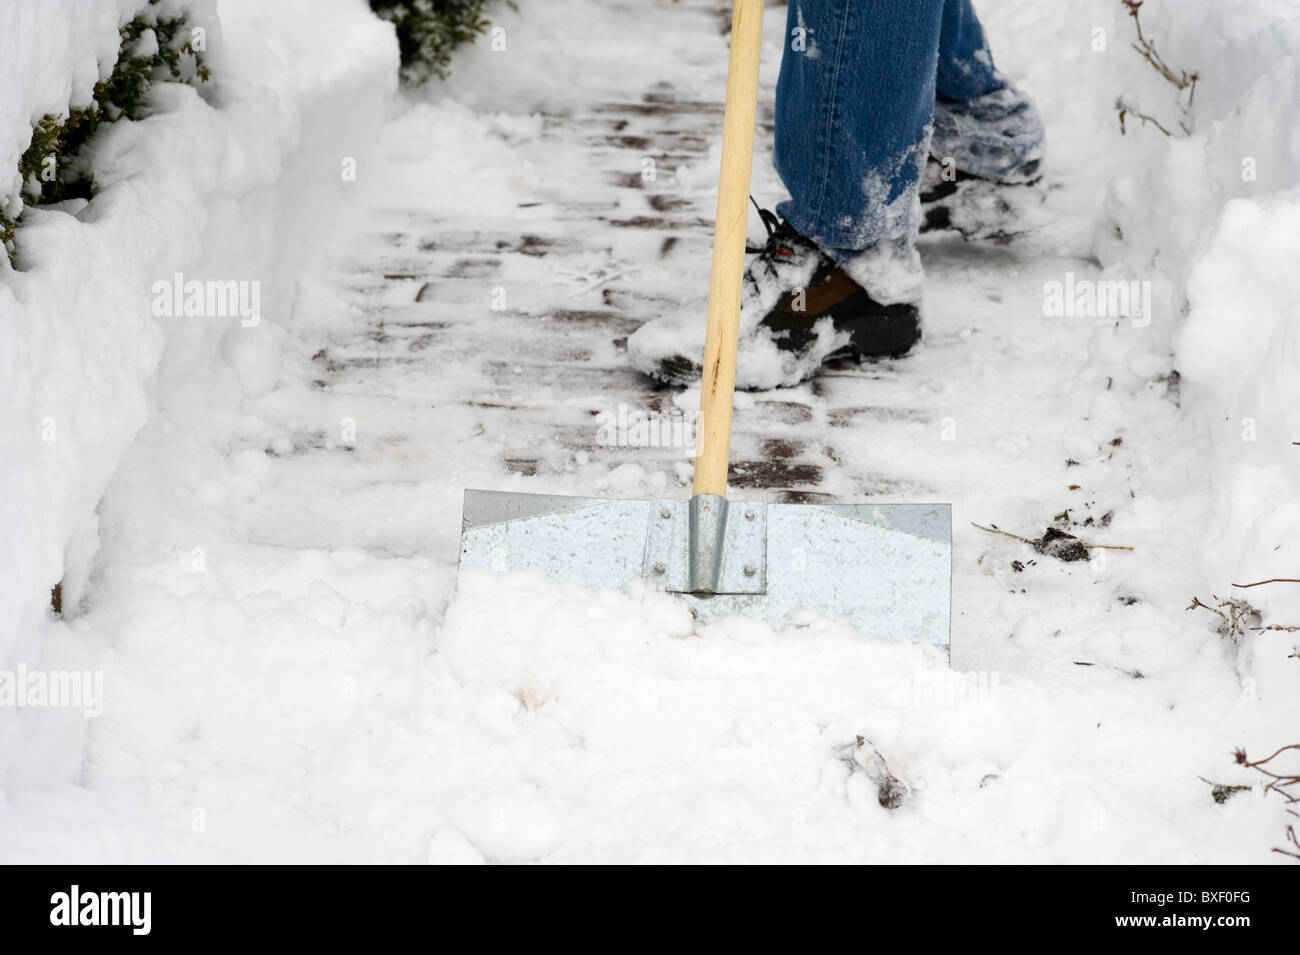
<point>1213,220</point>
<point>1207,215</point>
<point>210,186</point>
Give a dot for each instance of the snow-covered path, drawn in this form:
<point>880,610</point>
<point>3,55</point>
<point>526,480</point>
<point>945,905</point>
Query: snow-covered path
<point>289,675</point>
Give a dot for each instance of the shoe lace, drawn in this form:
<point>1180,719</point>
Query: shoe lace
<point>771,222</point>
<point>782,241</point>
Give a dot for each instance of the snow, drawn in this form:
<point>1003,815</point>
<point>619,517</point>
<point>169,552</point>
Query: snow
<point>192,184</point>
<point>264,569</point>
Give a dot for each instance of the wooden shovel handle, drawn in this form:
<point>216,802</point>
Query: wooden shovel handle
<point>725,283</point>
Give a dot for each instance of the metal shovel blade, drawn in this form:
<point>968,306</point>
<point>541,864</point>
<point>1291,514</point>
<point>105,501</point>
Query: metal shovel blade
<point>885,568</point>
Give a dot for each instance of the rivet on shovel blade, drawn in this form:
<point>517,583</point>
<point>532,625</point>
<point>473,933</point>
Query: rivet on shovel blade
<point>750,570</point>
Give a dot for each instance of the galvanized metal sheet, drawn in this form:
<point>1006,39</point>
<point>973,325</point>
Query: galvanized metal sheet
<point>847,561</point>
<point>594,541</point>
<point>884,568</point>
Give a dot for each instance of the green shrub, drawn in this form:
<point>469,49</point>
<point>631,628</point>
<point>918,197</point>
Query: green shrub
<point>153,48</point>
<point>428,30</point>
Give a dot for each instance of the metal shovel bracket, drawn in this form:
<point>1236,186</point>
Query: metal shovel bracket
<point>705,546</point>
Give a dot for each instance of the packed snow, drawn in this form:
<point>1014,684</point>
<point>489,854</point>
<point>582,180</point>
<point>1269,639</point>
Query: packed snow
<point>256,523</point>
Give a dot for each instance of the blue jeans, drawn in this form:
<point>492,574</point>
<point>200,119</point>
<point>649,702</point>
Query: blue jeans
<point>868,90</point>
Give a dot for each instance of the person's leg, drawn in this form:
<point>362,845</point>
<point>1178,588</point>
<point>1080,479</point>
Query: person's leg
<point>839,277</point>
<point>868,90</point>
<point>964,68</point>
<point>856,99</point>
<point>987,126</point>
<point>854,103</point>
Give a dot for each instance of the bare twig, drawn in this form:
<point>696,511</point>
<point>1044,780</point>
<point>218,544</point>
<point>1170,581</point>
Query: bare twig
<point>994,530</point>
<point>1291,838</point>
<point>1124,109</point>
<point>1196,602</point>
<point>1279,782</point>
<point>1180,79</point>
<point>1147,47</point>
<point>1031,542</point>
<point>1239,618</point>
<point>1271,580</point>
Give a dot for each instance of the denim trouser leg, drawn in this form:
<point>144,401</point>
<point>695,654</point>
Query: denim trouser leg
<point>965,68</point>
<point>855,102</point>
<point>981,120</point>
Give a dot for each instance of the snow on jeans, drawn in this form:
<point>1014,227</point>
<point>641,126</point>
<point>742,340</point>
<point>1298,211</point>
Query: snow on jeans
<point>868,89</point>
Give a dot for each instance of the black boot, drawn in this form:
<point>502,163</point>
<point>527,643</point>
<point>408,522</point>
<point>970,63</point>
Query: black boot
<point>977,208</point>
<point>800,309</point>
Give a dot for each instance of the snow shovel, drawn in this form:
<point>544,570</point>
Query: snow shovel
<point>885,568</point>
